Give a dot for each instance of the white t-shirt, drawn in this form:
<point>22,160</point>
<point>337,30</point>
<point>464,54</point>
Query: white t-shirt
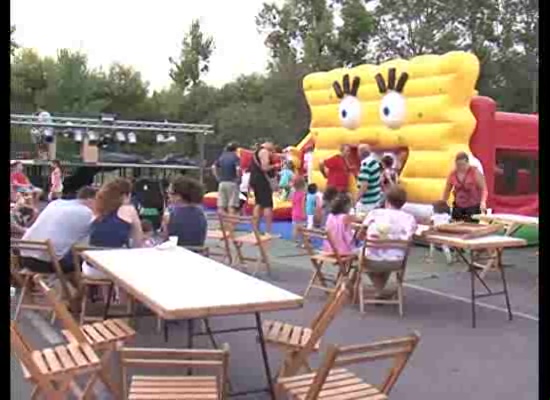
<point>45,118</point>
<point>476,163</point>
<point>245,182</point>
<point>440,219</point>
<point>308,161</point>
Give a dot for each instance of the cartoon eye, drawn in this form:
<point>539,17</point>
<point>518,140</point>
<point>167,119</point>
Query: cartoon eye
<point>350,107</point>
<point>393,110</point>
<point>350,112</point>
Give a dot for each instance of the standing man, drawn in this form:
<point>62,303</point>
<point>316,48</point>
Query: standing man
<point>46,141</point>
<point>226,170</point>
<point>261,172</point>
<point>369,192</point>
<point>337,170</point>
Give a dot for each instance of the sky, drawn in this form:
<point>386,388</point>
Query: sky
<point>144,33</point>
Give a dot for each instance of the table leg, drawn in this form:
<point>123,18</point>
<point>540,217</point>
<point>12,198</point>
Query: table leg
<point>472,278</point>
<point>190,332</point>
<point>108,304</point>
<point>264,355</point>
<point>505,285</point>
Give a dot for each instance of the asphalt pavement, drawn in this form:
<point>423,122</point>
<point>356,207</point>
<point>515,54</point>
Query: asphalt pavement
<point>496,360</point>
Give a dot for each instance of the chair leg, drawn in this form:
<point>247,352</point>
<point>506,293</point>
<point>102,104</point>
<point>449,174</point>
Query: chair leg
<point>361,295</point>
<point>21,297</point>
<point>310,284</point>
<point>83,304</point>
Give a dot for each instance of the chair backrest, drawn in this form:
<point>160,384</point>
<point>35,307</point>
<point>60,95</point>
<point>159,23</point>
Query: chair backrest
<point>45,247</point>
<point>23,352</point>
<point>399,349</point>
<point>77,251</point>
<point>384,244</point>
<point>228,223</point>
<point>319,326</point>
<point>60,310</point>
<point>156,359</point>
<point>319,234</point>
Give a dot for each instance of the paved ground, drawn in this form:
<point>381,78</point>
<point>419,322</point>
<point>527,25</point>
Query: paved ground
<point>497,360</point>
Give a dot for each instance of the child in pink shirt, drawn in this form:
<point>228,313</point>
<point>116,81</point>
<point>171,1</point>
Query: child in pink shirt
<point>298,198</point>
<point>338,226</point>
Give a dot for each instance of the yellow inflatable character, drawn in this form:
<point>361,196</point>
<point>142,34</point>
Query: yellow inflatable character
<point>422,104</point>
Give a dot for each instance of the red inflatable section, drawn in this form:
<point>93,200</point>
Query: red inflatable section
<point>246,158</point>
<point>507,146</point>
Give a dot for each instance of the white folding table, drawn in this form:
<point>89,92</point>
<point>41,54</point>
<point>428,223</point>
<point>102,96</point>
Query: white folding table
<point>177,284</point>
<point>494,243</point>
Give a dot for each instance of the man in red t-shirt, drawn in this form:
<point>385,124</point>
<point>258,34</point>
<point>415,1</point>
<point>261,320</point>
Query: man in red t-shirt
<point>337,170</point>
<point>20,182</point>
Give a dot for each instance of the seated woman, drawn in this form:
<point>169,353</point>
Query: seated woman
<point>117,223</point>
<point>389,223</point>
<point>185,218</point>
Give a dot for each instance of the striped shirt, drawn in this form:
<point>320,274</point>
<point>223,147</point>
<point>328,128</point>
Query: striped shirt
<point>370,173</point>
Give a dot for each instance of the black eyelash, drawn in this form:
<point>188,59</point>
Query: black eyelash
<point>382,88</point>
<point>347,90</point>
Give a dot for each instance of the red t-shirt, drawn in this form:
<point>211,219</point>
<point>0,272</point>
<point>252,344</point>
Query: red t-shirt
<point>19,179</point>
<point>338,173</point>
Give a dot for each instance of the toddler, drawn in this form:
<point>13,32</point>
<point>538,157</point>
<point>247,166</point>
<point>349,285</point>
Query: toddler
<point>311,205</point>
<point>298,207</point>
<point>338,226</point>
<point>285,179</point>
<point>148,233</point>
<point>441,215</point>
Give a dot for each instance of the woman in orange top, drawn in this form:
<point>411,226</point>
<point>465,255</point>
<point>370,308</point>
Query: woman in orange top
<point>469,190</point>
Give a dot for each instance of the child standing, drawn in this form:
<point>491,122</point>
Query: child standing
<point>338,226</point>
<point>441,215</point>
<point>311,205</point>
<point>298,207</point>
<point>389,174</point>
<point>285,179</point>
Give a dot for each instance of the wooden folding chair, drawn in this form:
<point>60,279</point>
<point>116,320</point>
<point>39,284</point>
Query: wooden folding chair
<point>389,296</point>
<point>221,235</point>
<point>29,298</point>
<point>155,387</point>
<point>298,342</point>
<point>253,239</point>
<point>331,381</point>
<point>104,337</point>
<point>53,371</point>
<point>343,263</point>
<point>87,282</point>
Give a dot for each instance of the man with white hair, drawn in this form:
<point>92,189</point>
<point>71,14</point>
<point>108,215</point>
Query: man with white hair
<point>369,194</point>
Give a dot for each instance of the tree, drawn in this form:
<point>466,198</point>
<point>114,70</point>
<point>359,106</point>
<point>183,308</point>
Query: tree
<point>28,79</point>
<point>13,44</point>
<point>194,58</point>
<point>125,91</point>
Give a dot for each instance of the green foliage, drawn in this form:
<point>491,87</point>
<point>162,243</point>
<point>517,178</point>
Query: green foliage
<point>13,44</point>
<point>194,58</point>
<point>302,36</point>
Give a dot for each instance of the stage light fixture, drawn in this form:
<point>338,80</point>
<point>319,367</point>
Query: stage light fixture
<point>132,139</point>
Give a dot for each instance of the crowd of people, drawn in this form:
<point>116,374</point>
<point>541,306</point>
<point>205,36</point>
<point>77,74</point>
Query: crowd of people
<point>106,217</point>
<point>378,198</point>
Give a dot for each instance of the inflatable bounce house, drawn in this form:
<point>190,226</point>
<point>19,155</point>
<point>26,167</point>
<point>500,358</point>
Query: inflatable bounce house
<point>427,107</point>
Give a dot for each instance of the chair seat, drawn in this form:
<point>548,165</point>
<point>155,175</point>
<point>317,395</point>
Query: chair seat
<point>250,238</point>
<point>103,333</point>
<point>64,359</point>
<point>173,388</point>
<point>331,258</point>
<point>340,384</point>
<point>284,334</point>
<point>215,234</point>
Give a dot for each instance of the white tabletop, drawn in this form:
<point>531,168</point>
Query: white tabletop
<point>509,218</point>
<point>179,284</point>
<point>484,242</point>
